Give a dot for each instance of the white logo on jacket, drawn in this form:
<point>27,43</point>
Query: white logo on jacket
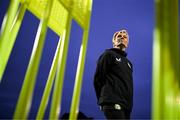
<point>118,59</point>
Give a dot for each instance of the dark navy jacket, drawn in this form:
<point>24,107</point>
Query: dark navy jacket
<point>113,81</point>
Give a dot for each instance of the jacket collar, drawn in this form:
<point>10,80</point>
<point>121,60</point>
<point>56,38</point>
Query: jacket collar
<point>123,53</point>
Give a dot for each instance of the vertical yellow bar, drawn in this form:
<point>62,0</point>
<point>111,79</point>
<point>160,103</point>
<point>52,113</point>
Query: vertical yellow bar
<point>26,95</point>
<point>79,73</point>
<point>49,84</point>
<point>4,38</point>
<point>8,45</point>
<point>57,93</point>
<point>166,61</point>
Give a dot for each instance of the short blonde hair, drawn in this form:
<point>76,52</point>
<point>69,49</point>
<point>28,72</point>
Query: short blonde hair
<point>116,33</point>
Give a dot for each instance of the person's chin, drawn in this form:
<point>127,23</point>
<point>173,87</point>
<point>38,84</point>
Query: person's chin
<point>122,45</point>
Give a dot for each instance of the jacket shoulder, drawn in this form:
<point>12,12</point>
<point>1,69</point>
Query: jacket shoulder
<point>105,56</point>
<point>108,52</point>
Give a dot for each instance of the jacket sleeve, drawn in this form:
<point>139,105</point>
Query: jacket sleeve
<point>102,68</point>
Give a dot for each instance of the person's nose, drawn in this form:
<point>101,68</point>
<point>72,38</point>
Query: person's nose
<point>123,37</point>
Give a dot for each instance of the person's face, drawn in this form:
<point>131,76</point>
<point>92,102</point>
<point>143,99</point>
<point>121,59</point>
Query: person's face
<point>122,37</point>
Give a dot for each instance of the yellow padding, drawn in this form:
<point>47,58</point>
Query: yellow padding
<point>79,9</point>
<point>57,18</point>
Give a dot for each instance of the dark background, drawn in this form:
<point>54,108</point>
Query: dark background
<point>108,16</point>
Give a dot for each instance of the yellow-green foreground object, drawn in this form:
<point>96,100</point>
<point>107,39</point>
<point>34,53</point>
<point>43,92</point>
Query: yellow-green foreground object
<point>166,62</point>
<point>57,15</point>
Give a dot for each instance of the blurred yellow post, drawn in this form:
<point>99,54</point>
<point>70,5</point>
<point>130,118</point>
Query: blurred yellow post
<point>11,23</point>
<point>166,61</point>
<point>57,15</point>
<point>25,98</point>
